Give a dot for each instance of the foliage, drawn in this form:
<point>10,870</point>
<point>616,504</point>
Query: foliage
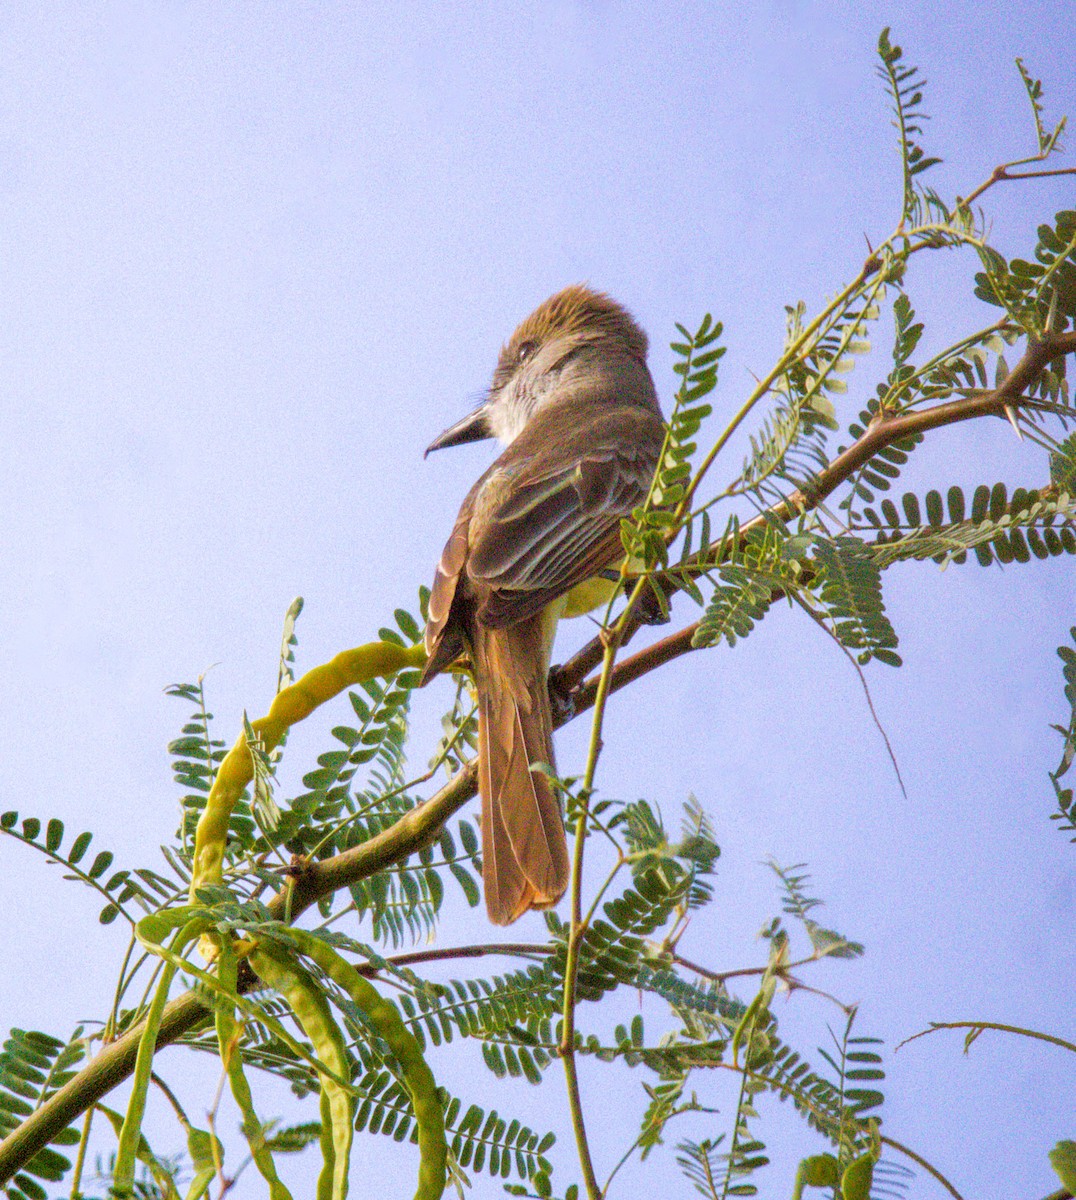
<point>1065,815</point>
<point>33,1067</point>
<point>799,522</point>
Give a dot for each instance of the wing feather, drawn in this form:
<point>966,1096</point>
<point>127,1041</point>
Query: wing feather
<point>444,638</point>
<point>558,522</point>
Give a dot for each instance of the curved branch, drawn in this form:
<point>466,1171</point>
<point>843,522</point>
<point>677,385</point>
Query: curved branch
<point>882,432</point>
<point>979,1026</point>
<point>116,1061</point>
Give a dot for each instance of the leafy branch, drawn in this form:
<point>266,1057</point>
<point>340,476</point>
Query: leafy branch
<point>357,825</point>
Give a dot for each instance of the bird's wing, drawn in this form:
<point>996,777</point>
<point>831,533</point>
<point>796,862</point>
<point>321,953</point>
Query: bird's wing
<point>444,643</point>
<point>551,513</point>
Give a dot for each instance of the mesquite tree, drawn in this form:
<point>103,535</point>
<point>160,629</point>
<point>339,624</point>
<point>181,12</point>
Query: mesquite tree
<point>286,916</point>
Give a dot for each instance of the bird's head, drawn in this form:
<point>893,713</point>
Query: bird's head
<point>567,335</point>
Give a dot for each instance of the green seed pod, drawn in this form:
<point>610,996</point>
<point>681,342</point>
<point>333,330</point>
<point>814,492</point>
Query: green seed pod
<point>232,1059</point>
<point>291,705</point>
<point>276,967</point>
<point>151,932</point>
<point>385,1020</point>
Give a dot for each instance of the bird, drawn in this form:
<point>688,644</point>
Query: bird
<point>574,405</point>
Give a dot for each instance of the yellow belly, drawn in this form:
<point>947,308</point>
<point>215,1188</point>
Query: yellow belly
<point>589,595</point>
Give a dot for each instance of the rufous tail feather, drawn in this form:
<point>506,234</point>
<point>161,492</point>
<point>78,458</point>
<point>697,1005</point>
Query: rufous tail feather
<point>524,850</point>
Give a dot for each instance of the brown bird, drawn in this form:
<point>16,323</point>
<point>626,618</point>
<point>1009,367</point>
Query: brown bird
<point>574,404</point>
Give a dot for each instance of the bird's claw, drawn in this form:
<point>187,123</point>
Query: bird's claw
<point>561,700</point>
<point>649,609</point>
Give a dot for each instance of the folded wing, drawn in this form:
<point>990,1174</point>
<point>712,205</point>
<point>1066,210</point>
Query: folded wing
<point>556,521</point>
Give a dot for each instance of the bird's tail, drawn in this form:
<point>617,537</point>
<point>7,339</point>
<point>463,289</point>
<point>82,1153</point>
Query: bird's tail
<point>524,850</point>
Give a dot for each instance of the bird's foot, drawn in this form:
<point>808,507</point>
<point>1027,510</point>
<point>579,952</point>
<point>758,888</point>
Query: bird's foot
<point>561,698</point>
<point>652,607</point>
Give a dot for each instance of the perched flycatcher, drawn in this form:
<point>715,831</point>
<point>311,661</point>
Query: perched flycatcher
<point>574,405</point>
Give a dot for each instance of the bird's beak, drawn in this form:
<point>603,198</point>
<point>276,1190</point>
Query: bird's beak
<point>473,428</point>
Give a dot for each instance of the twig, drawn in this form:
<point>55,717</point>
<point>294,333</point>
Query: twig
<point>1002,174</point>
<point>741,972</point>
<point>980,1025</point>
<point>863,683</point>
<point>922,1162</point>
<point>516,949</point>
<point>578,926</point>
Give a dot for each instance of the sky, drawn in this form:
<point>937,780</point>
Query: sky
<point>256,256</point>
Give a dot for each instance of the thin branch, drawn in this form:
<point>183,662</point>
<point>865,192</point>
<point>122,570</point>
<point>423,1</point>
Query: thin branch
<point>816,617</point>
<point>886,430</point>
<point>981,1025</point>
<point>1003,174</point>
<point>577,924</point>
<point>721,976</point>
<point>922,1162</point>
<point>515,949</point>
<point>80,1158</point>
<point>1040,174</point>
<point>782,973</point>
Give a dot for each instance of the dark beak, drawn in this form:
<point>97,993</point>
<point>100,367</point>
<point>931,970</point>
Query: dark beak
<point>473,428</point>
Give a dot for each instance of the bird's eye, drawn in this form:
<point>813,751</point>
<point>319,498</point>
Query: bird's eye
<point>526,349</point>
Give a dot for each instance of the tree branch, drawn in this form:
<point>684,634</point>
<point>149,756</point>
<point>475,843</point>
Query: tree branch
<point>116,1061</point>
<point>883,431</point>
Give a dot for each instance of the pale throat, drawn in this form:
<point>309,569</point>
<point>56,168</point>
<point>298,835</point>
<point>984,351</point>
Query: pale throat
<point>508,415</point>
<point>519,399</point>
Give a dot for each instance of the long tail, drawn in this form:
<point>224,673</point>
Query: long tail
<point>524,850</point>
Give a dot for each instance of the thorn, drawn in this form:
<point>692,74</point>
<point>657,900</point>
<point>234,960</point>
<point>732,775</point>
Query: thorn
<point>1010,412</point>
<point>1052,325</point>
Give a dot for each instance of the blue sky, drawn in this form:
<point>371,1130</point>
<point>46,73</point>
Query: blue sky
<point>256,256</point>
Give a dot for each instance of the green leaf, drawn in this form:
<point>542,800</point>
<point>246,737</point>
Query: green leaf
<point>1063,1161</point>
<point>735,607</point>
<point>857,1178</point>
<point>849,586</point>
<point>100,865</point>
<point>54,835</point>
